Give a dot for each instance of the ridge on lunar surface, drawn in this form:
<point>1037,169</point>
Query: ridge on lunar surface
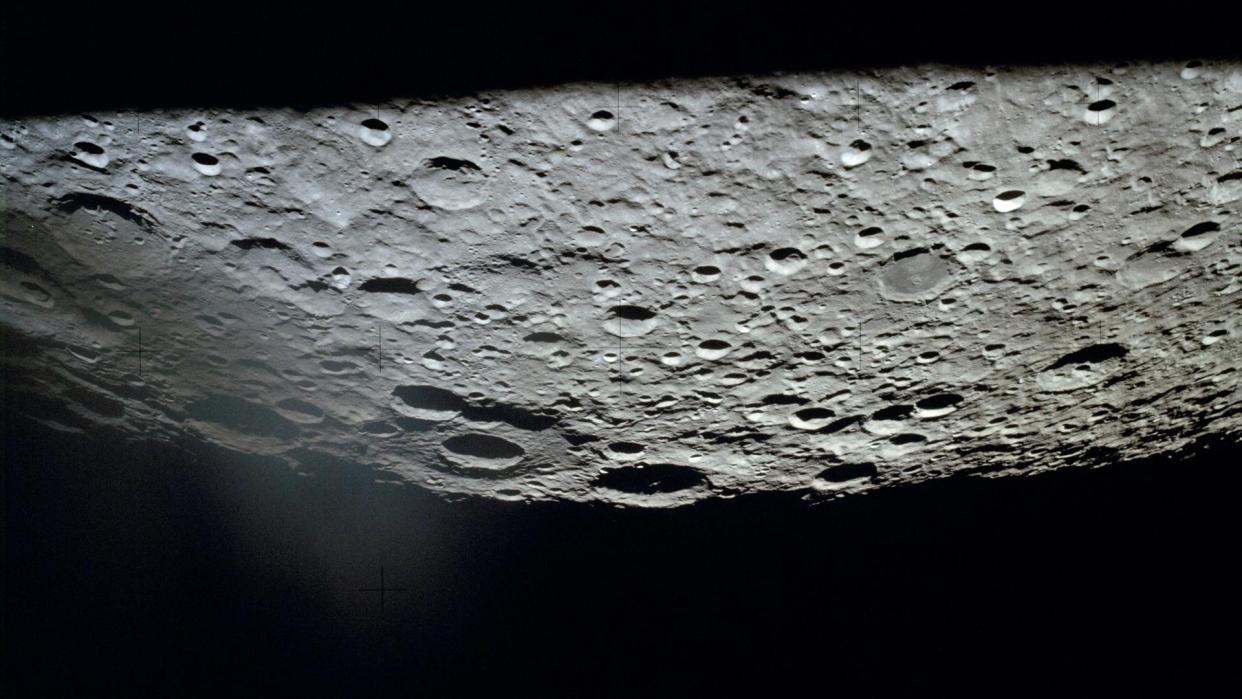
<point>823,282</point>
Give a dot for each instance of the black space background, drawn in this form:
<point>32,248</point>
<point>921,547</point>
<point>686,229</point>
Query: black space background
<point>132,571</point>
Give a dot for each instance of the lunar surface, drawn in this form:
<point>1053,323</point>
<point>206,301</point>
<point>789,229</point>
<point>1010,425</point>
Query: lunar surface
<point>646,294</point>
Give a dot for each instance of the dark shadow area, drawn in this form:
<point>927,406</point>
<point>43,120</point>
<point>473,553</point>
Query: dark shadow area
<point>134,569</point>
<point>102,57</point>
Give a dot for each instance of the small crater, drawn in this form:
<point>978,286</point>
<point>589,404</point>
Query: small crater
<point>632,313</point>
<point>300,411</point>
<point>240,415</point>
<point>589,237</point>
<point>705,273</point>
<point>858,153</point>
<point>1093,354</point>
<point>602,120</point>
<point>938,405</point>
<point>452,184</point>
<point>1009,200</point>
<point>980,172</point>
<point>442,162</point>
<point>651,479</point>
<point>785,261</point>
<point>907,438</point>
<point>121,318</point>
<point>783,399</point>
<point>95,402</point>
<point>76,201</point>
<point>332,366</point>
<point>1198,237</point>
<point>867,238</point>
<point>1100,112</point>
<point>265,243</point>
<point>811,418</point>
<point>848,473</point>
<point>543,337</point>
<point>513,415</point>
<point>205,164</point>
<point>37,295</point>
<point>374,132</point>
<point>1065,164</point>
<point>712,350</point>
<point>900,411</point>
<point>975,252</point>
<point>917,274</point>
<point>390,285</point>
<point>1215,336</point>
<point>625,451</point>
<point>630,321</point>
<point>379,428</point>
<point>89,154</point>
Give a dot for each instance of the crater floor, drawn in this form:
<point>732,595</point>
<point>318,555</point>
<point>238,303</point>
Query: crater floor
<point>646,294</point>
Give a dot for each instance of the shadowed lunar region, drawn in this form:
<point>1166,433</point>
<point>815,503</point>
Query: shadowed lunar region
<point>824,283</point>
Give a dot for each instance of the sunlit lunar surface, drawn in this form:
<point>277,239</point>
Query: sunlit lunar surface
<point>684,290</point>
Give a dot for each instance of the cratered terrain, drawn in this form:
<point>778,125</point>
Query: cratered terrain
<point>646,294</point>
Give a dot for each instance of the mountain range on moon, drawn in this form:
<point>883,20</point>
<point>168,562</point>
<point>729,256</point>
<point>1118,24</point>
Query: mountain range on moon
<point>650,294</point>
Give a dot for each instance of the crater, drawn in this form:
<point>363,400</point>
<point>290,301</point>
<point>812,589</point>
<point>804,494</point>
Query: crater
<point>479,452</point>
<point>712,350</point>
<point>890,420</point>
<point>917,274</point>
<point>335,367</point>
<point>374,132</point>
<point>811,418</point>
<point>1197,237</point>
<point>1082,368</point>
<point>632,313</point>
<point>858,153</point>
<point>543,337</point>
<point>1009,200</point>
<point>300,411</point>
<point>847,474</point>
<point>1154,265</point>
<point>630,321</point>
<point>1092,354</point>
<point>785,261</point>
<point>893,412</point>
<point>89,154</point>
<point>448,183</point>
<point>512,415</point>
<point>390,285</point>
<point>651,479</point>
<point>76,201</point>
<point>264,243</point>
<point>907,438</point>
<point>427,402</point>
<point>589,237</point>
<point>974,252</point>
<point>705,273</point>
<point>602,120</point>
<point>938,405</point>
<point>867,238</point>
<point>206,164</point>
<point>1100,112</point>
<point>240,415</point>
<point>625,451</point>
